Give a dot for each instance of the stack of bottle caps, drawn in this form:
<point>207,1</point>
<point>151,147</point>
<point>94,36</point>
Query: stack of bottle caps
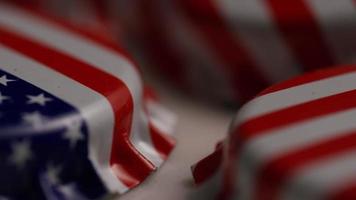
<point>229,50</point>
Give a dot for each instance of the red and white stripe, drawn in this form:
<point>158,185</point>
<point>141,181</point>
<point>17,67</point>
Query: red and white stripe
<point>337,21</point>
<point>300,30</point>
<point>193,52</point>
<point>277,62</point>
<point>297,141</point>
<point>249,43</point>
<point>82,13</point>
<point>98,79</point>
<point>246,77</point>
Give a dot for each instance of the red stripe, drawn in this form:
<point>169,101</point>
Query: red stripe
<point>347,192</point>
<point>303,112</point>
<point>229,173</point>
<point>310,77</point>
<point>209,166</point>
<point>247,79</point>
<point>101,11</point>
<point>150,94</point>
<point>101,7</point>
<point>276,172</point>
<point>158,46</point>
<point>301,32</point>
<point>298,113</point>
<point>163,144</point>
<point>312,109</point>
<point>33,3</point>
<point>103,39</point>
<point>129,165</point>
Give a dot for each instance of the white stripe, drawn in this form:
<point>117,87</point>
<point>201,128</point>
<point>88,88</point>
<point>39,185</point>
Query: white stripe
<point>94,54</point>
<point>93,107</point>
<point>275,143</point>
<point>251,21</point>
<point>161,118</point>
<point>318,179</point>
<point>338,23</point>
<point>299,135</point>
<point>287,139</point>
<point>296,95</point>
<point>245,180</point>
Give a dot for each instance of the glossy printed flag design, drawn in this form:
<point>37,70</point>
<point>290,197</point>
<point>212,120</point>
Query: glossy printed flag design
<point>46,138</point>
<point>229,50</point>
<point>87,78</point>
<point>296,140</point>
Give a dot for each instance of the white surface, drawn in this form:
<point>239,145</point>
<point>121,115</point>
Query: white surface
<point>199,128</point>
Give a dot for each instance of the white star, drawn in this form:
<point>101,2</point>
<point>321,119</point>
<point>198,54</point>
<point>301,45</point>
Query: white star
<point>52,174</point>
<point>4,80</point>
<point>39,99</point>
<point>35,119</point>
<point>21,153</point>
<point>73,133</point>
<point>68,191</point>
<point>3,98</point>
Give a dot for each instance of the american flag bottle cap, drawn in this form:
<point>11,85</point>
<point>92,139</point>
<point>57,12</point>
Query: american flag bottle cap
<point>295,140</point>
<point>74,121</point>
<point>229,50</point>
